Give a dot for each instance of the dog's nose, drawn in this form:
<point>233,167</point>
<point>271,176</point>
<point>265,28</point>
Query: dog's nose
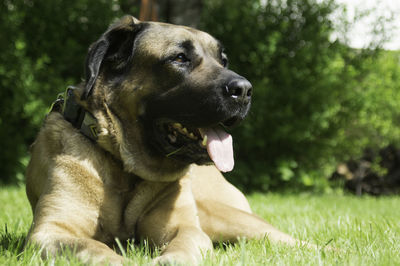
<point>239,89</point>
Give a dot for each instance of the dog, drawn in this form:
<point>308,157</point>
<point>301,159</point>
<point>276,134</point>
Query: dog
<point>137,151</point>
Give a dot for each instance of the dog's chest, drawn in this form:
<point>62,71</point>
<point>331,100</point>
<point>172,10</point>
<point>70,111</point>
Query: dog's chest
<point>112,210</point>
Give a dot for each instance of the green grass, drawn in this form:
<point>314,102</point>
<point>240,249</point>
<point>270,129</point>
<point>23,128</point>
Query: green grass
<point>365,230</point>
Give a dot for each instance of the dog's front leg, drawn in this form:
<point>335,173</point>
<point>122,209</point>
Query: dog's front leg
<point>70,212</point>
<point>187,247</point>
<point>173,223</point>
<point>55,230</point>
<point>53,239</point>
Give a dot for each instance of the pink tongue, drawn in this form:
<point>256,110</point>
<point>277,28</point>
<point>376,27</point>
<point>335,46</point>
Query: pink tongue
<point>219,148</point>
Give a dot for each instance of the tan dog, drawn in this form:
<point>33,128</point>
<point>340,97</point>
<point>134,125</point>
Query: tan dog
<point>120,157</point>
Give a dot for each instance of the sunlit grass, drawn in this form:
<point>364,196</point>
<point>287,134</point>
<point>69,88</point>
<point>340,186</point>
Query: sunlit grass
<point>364,231</point>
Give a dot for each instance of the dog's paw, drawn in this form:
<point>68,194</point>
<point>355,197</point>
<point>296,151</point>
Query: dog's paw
<point>166,260</point>
<point>174,259</point>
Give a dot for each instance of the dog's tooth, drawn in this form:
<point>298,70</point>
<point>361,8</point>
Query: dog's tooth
<point>177,125</point>
<point>172,138</point>
<point>192,136</point>
<point>204,142</point>
<point>185,130</point>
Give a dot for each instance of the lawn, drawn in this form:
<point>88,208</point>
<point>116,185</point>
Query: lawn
<point>366,231</point>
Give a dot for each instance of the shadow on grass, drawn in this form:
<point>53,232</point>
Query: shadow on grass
<point>12,242</point>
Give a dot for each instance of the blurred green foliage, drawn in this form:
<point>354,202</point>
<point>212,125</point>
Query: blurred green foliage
<point>316,101</point>
<point>43,46</point>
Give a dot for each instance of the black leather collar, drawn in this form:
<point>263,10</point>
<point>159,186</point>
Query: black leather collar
<point>74,113</point>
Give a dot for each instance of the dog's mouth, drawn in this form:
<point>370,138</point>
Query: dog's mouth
<point>202,145</point>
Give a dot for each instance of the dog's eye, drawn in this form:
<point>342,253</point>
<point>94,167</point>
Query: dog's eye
<point>225,62</point>
<point>181,58</point>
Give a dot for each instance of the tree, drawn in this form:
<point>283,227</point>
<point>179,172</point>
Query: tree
<point>181,12</point>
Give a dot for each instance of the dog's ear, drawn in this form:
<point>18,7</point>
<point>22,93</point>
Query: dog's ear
<point>114,49</point>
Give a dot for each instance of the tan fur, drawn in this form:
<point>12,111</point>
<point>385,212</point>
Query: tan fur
<point>84,195</point>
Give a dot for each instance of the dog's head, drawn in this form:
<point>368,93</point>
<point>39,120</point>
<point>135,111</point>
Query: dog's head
<point>164,96</point>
